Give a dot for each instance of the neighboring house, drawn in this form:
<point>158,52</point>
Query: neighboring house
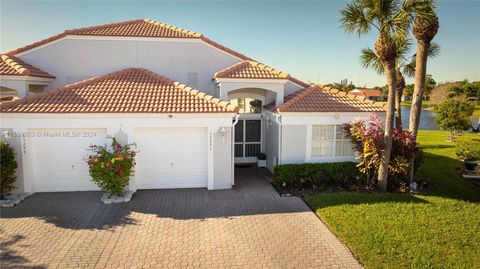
<point>370,94</point>
<point>193,107</point>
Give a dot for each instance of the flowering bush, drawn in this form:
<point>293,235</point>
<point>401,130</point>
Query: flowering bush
<point>368,141</point>
<point>111,167</point>
<point>7,169</point>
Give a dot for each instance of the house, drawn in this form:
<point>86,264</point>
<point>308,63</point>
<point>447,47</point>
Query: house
<point>193,107</point>
<point>370,94</point>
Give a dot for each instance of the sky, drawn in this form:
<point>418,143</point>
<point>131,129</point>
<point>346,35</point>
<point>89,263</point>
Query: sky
<point>302,38</point>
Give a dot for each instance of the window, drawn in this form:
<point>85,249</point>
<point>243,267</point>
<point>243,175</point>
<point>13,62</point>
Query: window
<point>247,105</point>
<point>343,144</point>
<point>322,138</point>
<point>34,89</point>
<point>323,145</point>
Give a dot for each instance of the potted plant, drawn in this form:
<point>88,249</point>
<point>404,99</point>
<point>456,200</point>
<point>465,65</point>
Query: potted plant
<point>470,153</point>
<point>262,160</point>
<point>110,168</point>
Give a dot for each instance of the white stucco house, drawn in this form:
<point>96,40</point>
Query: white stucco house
<point>193,107</point>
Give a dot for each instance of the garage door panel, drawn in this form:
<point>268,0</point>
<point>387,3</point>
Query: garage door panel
<point>59,162</point>
<point>172,157</point>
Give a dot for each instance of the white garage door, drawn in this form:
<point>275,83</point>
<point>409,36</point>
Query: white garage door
<point>59,158</point>
<point>171,158</point>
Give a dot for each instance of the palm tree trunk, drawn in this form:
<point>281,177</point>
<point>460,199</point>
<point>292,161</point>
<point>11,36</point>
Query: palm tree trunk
<point>416,108</point>
<point>400,84</point>
<point>383,169</point>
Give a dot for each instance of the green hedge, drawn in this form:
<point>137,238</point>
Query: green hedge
<point>298,176</point>
<point>7,169</point>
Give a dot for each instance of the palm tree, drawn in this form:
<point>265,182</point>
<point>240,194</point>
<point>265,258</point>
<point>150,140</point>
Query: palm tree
<point>424,29</point>
<point>391,18</point>
<point>404,64</point>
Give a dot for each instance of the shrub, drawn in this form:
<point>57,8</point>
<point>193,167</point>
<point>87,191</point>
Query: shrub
<point>368,141</point>
<point>8,168</point>
<point>111,167</point>
<point>454,115</point>
<point>298,176</point>
<point>261,156</point>
<point>469,150</point>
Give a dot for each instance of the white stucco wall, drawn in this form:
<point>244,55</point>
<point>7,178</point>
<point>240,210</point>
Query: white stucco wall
<point>297,128</point>
<point>294,143</point>
<point>291,87</point>
<point>219,152</point>
<point>272,136</point>
<point>77,58</point>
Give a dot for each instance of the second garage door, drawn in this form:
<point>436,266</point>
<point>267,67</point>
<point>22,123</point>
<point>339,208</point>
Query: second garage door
<point>171,158</point>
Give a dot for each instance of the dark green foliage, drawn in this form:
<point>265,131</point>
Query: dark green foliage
<point>454,115</point>
<point>261,156</point>
<point>8,168</point>
<point>469,90</point>
<point>298,176</point>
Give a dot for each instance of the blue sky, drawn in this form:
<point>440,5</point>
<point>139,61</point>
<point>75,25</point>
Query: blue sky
<point>302,38</point>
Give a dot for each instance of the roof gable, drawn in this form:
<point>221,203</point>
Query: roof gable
<point>14,66</point>
<point>251,69</point>
<point>132,28</point>
<point>132,90</point>
<point>254,70</point>
<point>319,98</point>
<point>138,28</point>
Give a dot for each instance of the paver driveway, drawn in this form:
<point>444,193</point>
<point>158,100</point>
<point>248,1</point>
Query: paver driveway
<point>250,226</point>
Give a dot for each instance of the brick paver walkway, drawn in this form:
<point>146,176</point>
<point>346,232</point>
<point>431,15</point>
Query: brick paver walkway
<point>250,226</point>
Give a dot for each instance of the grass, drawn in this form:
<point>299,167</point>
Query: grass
<point>425,104</point>
<point>440,229</point>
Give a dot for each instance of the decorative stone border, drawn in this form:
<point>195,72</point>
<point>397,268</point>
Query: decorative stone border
<point>106,199</point>
<point>14,199</point>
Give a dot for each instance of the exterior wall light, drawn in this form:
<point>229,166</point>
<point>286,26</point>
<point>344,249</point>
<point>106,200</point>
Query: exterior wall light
<point>7,134</point>
<point>222,131</point>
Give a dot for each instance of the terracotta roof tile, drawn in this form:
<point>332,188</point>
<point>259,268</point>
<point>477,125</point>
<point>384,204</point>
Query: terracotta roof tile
<point>255,70</point>
<point>132,28</point>
<point>14,66</point>
<point>139,27</point>
<point>366,92</point>
<point>319,98</point>
<point>251,69</point>
<point>132,90</point>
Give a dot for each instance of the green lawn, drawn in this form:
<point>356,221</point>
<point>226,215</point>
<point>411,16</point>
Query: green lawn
<point>438,230</point>
<point>425,104</point>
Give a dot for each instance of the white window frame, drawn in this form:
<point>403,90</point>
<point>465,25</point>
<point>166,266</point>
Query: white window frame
<point>331,158</point>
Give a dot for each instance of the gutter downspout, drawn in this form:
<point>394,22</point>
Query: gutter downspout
<point>233,148</point>
<point>280,128</point>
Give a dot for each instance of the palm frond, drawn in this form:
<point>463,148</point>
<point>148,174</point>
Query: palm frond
<point>369,59</point>
<point>409,69</point>
<point>354,19</point>
<point>433,50</point>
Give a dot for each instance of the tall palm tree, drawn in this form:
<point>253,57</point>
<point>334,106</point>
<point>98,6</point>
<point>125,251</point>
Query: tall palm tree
<point>424,29</point>
<point>390,18</point>
<point>371,59</point>
<point>404,64</point>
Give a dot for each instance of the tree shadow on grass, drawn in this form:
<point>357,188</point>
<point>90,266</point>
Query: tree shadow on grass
<point>445,179</point>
